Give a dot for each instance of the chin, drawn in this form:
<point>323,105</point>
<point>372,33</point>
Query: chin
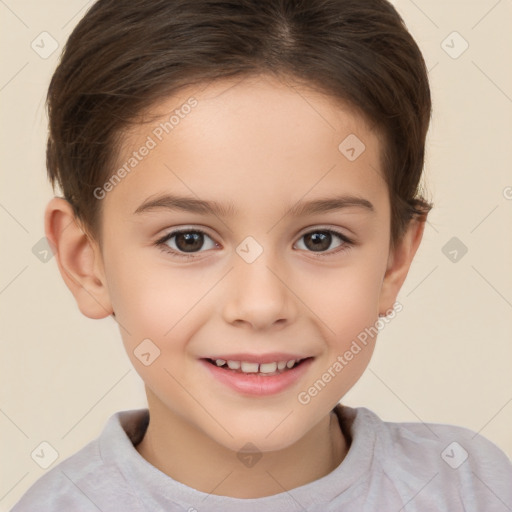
<point>276,432</point>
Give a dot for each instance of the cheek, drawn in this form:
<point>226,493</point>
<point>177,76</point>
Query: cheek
<point>346,302</point>
<point>155,301</point>
<point>346,299</point>
<point>145,301</point>
<point>151,308</point>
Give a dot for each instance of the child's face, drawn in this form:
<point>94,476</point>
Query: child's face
<point>256,149</point>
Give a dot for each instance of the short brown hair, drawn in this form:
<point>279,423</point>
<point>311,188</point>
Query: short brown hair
<point>126,55</point>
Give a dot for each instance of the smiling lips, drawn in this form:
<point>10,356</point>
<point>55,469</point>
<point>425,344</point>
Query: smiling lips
<point>254,375</point>
<point>269,368</point>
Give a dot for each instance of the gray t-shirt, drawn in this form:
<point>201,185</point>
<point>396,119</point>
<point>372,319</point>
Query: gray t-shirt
<point>390,467</point>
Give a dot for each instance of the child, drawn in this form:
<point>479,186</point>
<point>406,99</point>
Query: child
<point>241,193</point>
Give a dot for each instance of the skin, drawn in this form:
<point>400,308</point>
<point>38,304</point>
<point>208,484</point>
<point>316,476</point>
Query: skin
<point>262,145</point>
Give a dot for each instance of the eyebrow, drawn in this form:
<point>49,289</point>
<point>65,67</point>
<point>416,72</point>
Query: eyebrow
<point>193,205</point>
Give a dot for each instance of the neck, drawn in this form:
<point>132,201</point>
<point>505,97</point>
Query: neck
<point>180,455</point>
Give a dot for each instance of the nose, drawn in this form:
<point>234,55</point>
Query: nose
<point>258,295</point>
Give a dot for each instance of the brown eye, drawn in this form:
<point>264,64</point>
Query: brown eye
<point>324,240</point>
<point>190,241</point>
<point>318,241</point>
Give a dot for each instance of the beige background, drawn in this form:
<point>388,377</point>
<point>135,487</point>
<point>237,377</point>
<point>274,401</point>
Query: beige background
<point>447,357</point>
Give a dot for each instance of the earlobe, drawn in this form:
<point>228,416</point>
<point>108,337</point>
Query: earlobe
<point>399,263</point>
<point>78,259</point>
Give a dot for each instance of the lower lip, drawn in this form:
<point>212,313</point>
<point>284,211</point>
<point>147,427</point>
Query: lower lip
<point>255,384</point>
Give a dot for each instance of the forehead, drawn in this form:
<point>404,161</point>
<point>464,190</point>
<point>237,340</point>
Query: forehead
<point>250,141</point>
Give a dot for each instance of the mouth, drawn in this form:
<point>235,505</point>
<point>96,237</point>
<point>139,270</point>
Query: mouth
<point>268,369</point>
<point>257,378</point>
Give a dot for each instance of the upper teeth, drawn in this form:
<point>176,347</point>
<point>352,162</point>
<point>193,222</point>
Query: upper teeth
<point>248,367</point>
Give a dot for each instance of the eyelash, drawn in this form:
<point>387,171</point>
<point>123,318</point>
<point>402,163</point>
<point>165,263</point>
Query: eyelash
<point>161,243</point>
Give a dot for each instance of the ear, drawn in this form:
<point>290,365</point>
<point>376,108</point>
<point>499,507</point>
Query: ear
<point>399,262</point>
<point>78,258</point>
